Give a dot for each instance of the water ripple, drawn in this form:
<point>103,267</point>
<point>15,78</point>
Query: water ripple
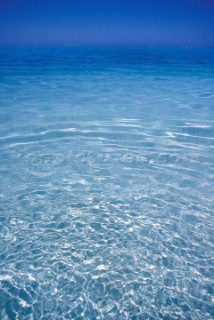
<point>106,197</point>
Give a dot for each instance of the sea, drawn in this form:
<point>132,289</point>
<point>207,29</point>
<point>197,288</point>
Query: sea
<point>106,183</point>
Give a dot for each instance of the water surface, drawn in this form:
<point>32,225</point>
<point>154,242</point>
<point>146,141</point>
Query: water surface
<point>106,195</point>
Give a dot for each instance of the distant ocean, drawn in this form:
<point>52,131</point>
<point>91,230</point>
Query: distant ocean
<point>106,193</point>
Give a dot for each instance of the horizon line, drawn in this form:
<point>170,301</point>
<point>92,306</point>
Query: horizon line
<point>107,45</point>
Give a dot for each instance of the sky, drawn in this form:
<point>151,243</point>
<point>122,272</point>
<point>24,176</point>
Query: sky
<point>107,22</point>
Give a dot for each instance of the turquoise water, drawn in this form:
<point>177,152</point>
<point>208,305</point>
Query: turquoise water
<point>106,195</point>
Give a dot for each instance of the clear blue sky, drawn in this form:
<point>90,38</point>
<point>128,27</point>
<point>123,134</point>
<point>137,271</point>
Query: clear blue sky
<point>107,22</point>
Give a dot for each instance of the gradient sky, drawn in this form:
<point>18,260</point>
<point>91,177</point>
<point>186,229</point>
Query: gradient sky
<point>107,22</point>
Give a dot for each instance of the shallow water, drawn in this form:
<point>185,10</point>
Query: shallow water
<point>106,196</point>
